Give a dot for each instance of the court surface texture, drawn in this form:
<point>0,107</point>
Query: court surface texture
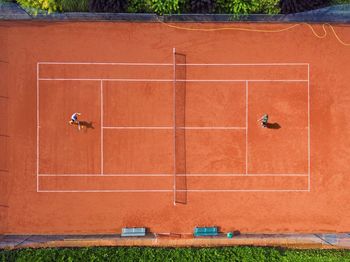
<point>169,136</point>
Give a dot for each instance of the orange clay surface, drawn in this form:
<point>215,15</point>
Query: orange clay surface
<point>119,169</point>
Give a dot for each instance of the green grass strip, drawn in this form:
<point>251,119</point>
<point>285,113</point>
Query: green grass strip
<point>126,254</point>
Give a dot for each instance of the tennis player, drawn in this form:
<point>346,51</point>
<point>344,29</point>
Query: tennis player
<point>264,119</point>
<point>74,119</point>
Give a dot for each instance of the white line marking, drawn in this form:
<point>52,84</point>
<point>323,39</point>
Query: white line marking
<point>169,190</point>
<point>105,63</point>
<point>138,127</point>
<point>243,80</point>
<point>105,175</point>
<point>246,124</point>
<point>168,64</point>
<point>262,64</point>
<point>101,104</point>
<point>106,79</point>
<point>174,119</point>
<point>247,175</point>
<point>171,127</point>
<point>244,190</point>
<point>108,191</point>
<point>37,127</point>
<point>212,127</point>
<point>170,80</point>
<point>308,131</point>
<point>171,175</point>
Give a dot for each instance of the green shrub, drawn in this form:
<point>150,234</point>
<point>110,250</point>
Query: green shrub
<point>241,6</point>
<point>139,6</point>
<point>202,6</point>
<point>47,5</point>
<point>158,6</point>
<point>248,6</point>
<point>162,7</point>
<point>109,6</point>
<point>340,2</point>
<point>295,6</point>
<point>268,7</point>
<point>75,5</point>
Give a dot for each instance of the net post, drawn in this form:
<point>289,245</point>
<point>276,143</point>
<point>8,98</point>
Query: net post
<point>174,121</point>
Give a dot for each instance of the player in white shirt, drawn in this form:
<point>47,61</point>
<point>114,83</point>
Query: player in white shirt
<point>74,119</point>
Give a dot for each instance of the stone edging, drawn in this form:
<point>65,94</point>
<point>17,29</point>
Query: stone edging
<point>325,241</point>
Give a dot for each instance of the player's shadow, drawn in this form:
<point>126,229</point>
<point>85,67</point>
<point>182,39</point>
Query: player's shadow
<point>273,126</point>
<point>86,125</point>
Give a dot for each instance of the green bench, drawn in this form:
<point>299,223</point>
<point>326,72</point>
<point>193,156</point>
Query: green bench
<point>133,232</point>
<point>205,231</point>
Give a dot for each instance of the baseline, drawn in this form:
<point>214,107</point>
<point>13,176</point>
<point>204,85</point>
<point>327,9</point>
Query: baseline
<point>150,175</point>
<point>220,183</point>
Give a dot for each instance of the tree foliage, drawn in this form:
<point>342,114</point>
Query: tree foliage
<point>75,5</point>
<point>162,7</point>
<point>202,6</point>
<point>47,5</point>
<point>248,6</point>
<point>139,6</point>
<point>109,6</point>
<point>295,6</point>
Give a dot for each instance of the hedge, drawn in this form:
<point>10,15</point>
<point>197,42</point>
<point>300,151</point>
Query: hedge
<point>180,6</point>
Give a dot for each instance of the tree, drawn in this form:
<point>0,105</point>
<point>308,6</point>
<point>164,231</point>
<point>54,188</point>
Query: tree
<point>295,6</point>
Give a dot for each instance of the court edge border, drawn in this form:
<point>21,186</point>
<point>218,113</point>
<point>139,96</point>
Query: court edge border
<point>166,64</point>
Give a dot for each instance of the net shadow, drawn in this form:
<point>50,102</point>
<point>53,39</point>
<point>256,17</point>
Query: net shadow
<point>180,132</point>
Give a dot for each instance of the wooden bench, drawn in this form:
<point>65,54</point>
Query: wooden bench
<point>133,232</point>
<point>205,231</point>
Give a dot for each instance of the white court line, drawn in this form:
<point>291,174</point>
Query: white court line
<point>139,127</point>
<point>105,63</point>
<point>246,175</point>
<point>170,64</point>
<point>242,80</point>
<point>37,126</point>
<point>170,80</point>
<point>212,127</point>
<point>174,123</point>
<point>246,125</point>
<point>108,191</point>
<point>101,98</point>
<point>166,80</point>
<point>170,190</point>
<point>244,190</point>
<point>106,79</point>
<point>308,131</point>
<point>105,175</point>
<point>171,127</point>
<point>170,175</point>
<point>242,64</point>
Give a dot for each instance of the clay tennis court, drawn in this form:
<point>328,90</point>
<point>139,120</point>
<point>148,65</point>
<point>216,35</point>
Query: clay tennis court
<point>170,138</point>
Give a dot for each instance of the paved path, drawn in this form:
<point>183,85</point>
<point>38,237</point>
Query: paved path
<point>326,241</point>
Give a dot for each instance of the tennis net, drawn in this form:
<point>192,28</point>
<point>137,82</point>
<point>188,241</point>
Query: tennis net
<point>179,111</point>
